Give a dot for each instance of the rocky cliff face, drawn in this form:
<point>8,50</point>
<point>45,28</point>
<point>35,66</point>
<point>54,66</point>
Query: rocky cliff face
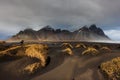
<point>50,34</point>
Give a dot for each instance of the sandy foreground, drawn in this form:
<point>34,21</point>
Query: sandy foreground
<point>61,67</point>
<point>78,68</point>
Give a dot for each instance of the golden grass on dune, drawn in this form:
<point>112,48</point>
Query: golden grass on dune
<point>9,49</point>
<point>33,50</point>
<point>67,45</point>
<point>105,48</point>
<point>90,50</point>
<point>38,51</point>
<point>112,68</point>
<point>13,48</point>
<point>80,45</point>
<point>31,68</point>
<point>68,51</point>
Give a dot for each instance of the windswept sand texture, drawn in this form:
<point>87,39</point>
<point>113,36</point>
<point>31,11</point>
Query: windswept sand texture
<point>48,61</point>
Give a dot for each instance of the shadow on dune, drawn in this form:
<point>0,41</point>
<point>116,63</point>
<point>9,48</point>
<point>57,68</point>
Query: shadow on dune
<point>7,58</point>
<point>10,65</point>
<point>9,70</point>
<point>55,61</point>
<point>92,63</point>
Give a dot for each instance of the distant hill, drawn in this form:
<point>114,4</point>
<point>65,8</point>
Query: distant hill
<point>50,34</point>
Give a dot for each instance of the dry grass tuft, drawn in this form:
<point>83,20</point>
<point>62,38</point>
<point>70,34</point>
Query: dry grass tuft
<point>112,68</point>
<point>80,45</point>
<point>9,50</point>
<point>31,68</point>
<point>105,48</point>
<point>90,50</point>
<point>67,45</point>
<point>68,51</point>
<point>34,50</point>
<point>37,51</point>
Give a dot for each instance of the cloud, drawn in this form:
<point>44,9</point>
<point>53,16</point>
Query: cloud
<point>19,14</point>
<point>113,34</point>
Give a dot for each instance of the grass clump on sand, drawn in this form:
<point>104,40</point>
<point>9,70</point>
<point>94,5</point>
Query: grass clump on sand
<point>80,45</point>
<point>37,51</point>
<point>90,50</point>
<point>33,50</point>
<point>67,45</point>
<point>68,51</point>
<point>31,68</point>
<point>111,69</point>
<point>105,48</point>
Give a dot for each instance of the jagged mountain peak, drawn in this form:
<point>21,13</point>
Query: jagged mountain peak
<point>93,27</point>
<point>84,28</point>
<point>48,27</point>
<point>28,29</point>
<point>96,29</point>
<point>67,31</point>
<point>49,33</point>
<point>58,30</point>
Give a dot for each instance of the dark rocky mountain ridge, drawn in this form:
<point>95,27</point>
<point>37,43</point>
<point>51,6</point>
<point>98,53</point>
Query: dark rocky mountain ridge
<point>50,34</point>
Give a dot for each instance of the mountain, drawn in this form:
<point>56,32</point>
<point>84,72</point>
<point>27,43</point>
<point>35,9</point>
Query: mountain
<point>48,33</point>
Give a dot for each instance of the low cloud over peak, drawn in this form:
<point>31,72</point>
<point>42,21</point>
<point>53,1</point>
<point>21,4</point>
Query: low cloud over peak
<point>38,13</point>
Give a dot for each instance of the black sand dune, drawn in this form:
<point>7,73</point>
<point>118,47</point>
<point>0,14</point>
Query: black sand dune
<point>79,68</point>
<point>59,67</point>
<point>10,66</point>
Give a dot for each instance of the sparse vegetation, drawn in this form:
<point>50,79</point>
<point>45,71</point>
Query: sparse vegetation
<point>25,61</point>
<point>105,48</point>
<point>37,51</point>
<point>111,68</point>
<point>33,50</point>
<point>9,50</point>
<point>31,68</point>
<point>90,50</point>
<point>68,51</point>
<point>80,45</point>
<point>67,45</point>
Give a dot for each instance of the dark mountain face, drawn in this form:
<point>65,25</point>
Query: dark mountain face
<point>47,28</point>
<point>85,28</point>
<point>94,29</point>
<point>49,33</point>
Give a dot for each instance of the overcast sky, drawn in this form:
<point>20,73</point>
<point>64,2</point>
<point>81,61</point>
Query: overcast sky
<point>16,15</point>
